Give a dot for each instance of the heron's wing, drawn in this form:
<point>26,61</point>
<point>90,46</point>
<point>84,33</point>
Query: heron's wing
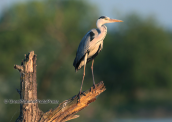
<point>84,46</point>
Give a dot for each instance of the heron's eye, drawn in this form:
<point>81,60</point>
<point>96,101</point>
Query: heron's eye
<point>106,18</point>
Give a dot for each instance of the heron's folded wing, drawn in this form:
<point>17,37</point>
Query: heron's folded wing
<point>85,44</point>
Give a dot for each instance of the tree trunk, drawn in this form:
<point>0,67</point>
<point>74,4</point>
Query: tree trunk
<point>29,111</point>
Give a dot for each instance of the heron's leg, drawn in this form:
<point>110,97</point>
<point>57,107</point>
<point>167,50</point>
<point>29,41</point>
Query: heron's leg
<point>85,61</point>
<point>82,80</point>
<point>93,74</point>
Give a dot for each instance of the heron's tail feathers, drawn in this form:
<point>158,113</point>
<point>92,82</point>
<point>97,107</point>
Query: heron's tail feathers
<point>75,65</point>
<point>76,70</point>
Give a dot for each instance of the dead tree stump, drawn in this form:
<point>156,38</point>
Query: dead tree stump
<point>29,111</point>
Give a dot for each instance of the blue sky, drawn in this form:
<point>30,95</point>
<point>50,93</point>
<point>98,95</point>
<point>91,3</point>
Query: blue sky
<point>161,9</point>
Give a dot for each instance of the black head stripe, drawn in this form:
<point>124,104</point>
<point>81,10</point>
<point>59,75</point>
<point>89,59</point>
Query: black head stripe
<point>102,17</point>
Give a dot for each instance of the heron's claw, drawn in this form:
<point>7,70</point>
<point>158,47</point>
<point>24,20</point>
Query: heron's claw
<point>83,93</point>
<point>80,94</point>
<point>94,86</point>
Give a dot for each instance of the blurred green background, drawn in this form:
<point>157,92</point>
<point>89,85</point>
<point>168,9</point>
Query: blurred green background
<point>135,63</point>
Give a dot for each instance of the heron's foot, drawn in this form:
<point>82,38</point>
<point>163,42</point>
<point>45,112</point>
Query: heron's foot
<point>79,95</point>
<point>94,86</point>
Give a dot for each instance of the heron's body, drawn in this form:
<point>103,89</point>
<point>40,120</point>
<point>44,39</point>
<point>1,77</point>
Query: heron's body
<point>90,46</point>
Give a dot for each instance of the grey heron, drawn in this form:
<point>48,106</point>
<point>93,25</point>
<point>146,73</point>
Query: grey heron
<point>90,46</point>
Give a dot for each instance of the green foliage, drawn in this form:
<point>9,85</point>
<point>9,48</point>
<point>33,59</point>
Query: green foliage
<point>136,58</point>
<point>53,30</point>
<point>135,63</point>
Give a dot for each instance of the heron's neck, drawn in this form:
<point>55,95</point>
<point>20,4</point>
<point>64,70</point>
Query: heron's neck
<point>101,26</point>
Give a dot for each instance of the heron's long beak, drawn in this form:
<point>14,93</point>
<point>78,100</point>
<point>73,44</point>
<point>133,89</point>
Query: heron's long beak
<point>115,20</point>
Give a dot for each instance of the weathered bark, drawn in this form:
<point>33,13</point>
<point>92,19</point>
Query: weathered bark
<point>29,111</point>
<point>65,111</point>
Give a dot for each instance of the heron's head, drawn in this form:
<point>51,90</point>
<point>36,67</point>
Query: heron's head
<point>104,19</point>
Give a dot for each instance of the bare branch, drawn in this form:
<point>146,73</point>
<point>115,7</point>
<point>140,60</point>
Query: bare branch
<point>65,111</point>
<point>29,112</point>
<point>20,68</point>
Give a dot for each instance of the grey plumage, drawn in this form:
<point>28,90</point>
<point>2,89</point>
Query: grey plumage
<point>85,45</point>
<point>90,46</point>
